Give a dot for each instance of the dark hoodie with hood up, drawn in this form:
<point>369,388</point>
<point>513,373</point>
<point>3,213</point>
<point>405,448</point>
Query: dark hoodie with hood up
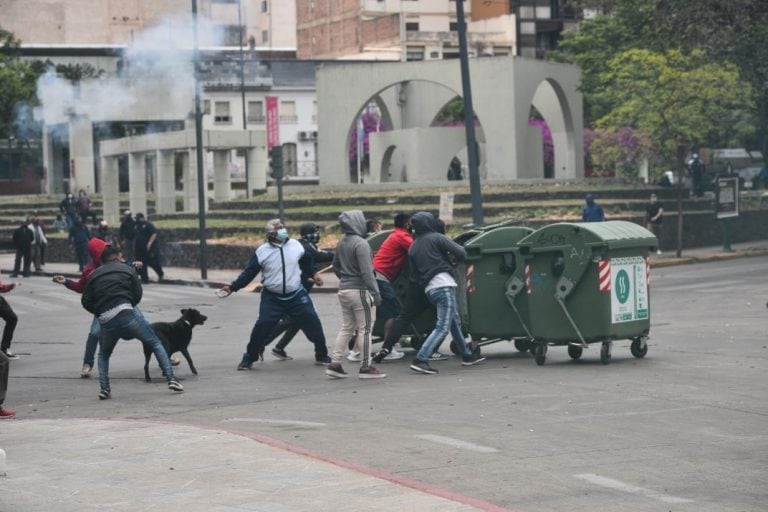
<point>428,256</point>
<point>352,261</point>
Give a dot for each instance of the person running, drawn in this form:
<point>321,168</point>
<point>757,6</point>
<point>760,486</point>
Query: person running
<point>112,294</point>
<point>310,237</point>
<point>358,294</point>
<point>10,319</point>
<point>280,261</point>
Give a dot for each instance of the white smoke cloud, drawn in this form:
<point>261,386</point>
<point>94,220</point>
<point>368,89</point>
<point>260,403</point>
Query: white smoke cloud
<point>156,82</point>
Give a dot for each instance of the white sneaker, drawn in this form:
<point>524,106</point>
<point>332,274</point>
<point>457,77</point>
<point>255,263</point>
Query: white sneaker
<point>437,356</point>
<point>395,354</point>
<point>354,356</point>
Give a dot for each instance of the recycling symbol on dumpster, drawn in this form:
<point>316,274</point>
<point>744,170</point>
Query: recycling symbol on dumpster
<point>622,286</point>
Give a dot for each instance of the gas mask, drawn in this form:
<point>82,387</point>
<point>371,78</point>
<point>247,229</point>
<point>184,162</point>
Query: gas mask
<point>312,238</point>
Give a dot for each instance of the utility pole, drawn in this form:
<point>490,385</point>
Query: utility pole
<point>469,119</point>
<point>242,94</point>
<point>202,185</point>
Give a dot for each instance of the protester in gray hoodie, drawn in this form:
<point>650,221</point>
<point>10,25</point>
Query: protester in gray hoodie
<point>358,294</point>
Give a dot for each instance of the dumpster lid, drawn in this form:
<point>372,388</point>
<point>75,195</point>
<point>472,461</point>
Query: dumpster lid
<point>500,239</point>
<point>614,234</point>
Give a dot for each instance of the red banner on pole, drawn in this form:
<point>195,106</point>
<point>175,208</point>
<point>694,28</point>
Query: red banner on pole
<point>273,124</point>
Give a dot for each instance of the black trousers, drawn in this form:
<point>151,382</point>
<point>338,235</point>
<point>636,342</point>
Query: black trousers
<point>7,314</point>
<point>414,304</point>
<point>24,254</point>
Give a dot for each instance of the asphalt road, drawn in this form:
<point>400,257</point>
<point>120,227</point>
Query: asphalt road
<point>683,429</point>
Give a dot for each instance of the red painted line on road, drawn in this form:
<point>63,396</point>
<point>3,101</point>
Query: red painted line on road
<point>376,473</point>
<point>383,475</point>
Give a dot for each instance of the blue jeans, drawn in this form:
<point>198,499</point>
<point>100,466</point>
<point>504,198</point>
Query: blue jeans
<point>444,300</point>
<point>129,325</point>
<point>92,342</point>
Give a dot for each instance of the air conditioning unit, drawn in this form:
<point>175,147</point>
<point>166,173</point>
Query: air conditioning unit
<point>304,135</point>
<point>314,135</point>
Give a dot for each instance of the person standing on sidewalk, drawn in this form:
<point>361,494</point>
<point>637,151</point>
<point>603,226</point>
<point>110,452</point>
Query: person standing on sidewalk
<point>147,248</point>
<point>653,218</point>
<point>5,368</point>
<point>432,268</point>
<point>127,234</point>
<point>10,319</point>
<point>39,243</point>
<point>280,261</point>
<point>592,212</point>
<point>22,242</point>
<point>358,294</point>
<point>79,236</point>
<point>112,294</point>
<point>310,237</point>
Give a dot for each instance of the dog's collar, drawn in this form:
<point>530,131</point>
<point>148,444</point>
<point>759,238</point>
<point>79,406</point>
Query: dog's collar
<point>186,322</point>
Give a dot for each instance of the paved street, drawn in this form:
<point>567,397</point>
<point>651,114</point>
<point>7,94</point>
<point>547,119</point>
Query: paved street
<point>681,430</point>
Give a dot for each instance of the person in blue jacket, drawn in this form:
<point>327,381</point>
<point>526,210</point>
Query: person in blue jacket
<point>592,212</point>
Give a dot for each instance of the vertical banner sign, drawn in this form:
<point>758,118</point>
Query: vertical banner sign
<point>629,289</point>
<point>273,125</point>
<point>727,198</point>
<point>446,207</point>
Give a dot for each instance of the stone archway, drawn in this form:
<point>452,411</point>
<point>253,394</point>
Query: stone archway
<point>503,91</point>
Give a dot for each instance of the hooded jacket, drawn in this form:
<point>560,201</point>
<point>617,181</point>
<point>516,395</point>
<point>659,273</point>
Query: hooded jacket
<point>111,285</point>
<point>428,256</point>
<point>352,261</point>
<point>95,247</point>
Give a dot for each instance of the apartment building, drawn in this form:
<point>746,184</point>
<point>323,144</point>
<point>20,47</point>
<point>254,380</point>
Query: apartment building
<point>400,29</point>
<point>266,23</point>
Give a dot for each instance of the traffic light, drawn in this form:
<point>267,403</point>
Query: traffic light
<point>276,161</point>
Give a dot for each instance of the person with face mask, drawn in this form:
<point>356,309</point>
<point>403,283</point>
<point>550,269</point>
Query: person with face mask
<point>280,261</point>
<point>147,248</point>
<point>310,237</point>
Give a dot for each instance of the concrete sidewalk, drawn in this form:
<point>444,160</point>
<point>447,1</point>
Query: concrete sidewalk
<point>220,277</point>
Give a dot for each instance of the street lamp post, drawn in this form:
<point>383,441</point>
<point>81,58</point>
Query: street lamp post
<point>242,92</point>
<point>469,119</point>
<point>202,185</point>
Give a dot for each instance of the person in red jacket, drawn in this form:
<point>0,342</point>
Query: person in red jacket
<point>388,262</point>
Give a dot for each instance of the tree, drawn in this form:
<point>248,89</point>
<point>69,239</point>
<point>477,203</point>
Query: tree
<point>673,97</point>
<point>17,85</point>
<point>620,152</point>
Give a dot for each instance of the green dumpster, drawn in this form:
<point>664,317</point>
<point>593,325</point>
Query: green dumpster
<point>496,309</point>
<point>588,283</point>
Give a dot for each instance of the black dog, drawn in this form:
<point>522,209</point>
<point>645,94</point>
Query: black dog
<point>175,337</point>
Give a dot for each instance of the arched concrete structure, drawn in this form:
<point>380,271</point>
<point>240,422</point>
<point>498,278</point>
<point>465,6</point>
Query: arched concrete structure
<point>504,89</point>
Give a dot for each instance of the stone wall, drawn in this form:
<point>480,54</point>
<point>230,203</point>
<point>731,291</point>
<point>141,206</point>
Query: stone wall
<point>699,230</point>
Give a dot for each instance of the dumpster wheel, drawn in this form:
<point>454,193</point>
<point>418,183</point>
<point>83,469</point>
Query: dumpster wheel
<point>639,347</point>
<point>575,352</point>
<point>540,353</point>
<point>524,345</point>
<point>605,352</point>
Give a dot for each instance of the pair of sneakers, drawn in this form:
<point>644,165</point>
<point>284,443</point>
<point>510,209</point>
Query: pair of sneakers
<point>423,366</point>
<point>336,371</point>
<point>173,385</point>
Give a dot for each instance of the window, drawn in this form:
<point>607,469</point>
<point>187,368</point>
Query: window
<point>222,115</point>
<point>231,35</point>
<point>255,111</point>
<point>206,107</point>
<point>453,26</point>
<point>288,112</point>
<point>414,54</point>
<point>314,112</point>
<point>264,6</point>
<point>412,26</point>
<point>265,36</point>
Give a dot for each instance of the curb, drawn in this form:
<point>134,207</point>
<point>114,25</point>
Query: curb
<point>659,263</point>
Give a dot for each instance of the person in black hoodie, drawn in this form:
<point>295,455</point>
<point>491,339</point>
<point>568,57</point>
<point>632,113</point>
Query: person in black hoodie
<point>112,293</point>
<point>431,262</point>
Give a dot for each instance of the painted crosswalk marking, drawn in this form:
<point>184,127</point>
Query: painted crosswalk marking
<point>617,485</point>
<point>457,443</point>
